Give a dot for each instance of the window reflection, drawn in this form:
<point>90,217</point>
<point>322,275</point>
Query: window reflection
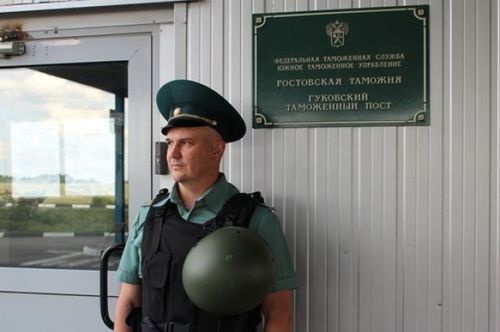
<point>58,159</point>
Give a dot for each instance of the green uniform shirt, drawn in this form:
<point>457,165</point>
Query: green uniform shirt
<point>264,222</point>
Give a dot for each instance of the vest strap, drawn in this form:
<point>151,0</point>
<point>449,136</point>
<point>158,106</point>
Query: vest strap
<point>157,214</point>
<point>239,209</point>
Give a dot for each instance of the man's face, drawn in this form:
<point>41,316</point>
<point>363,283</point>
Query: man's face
<point>194,153</point>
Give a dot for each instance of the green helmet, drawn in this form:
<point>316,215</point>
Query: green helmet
<point>229,271</point>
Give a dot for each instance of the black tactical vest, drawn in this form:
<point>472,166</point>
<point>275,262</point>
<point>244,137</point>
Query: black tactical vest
<point>167,239</point>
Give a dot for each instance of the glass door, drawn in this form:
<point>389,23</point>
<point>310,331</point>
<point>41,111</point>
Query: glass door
<point>74,136</point>
<point>62,183</point>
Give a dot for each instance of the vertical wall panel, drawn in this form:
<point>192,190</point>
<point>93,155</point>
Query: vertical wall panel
<point>469,178</point>
<point>436,171</point>
<point>303,228</point>
<point>453,124</point>
<point>232,80</point>
<point>319,237</point>
<point>347,285</point>
<point>423,269</point>
<point>407,212</point>
<point>494,289</point>
<point>390,281</point>
<point>483,171</point>
<point>333,231</point>
<point>363,224</point>
<point>377,236</point>
<point>246,95</point>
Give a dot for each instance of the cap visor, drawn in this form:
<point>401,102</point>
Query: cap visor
<point>183,122</point>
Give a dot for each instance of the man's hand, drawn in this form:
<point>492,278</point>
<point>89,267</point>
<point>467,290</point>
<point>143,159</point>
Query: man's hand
<point>277,308</point>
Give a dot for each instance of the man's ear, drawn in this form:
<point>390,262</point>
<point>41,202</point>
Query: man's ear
<point>219,148</point>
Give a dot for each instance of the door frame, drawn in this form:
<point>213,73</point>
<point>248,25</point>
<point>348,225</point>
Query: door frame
<point>136,49</point>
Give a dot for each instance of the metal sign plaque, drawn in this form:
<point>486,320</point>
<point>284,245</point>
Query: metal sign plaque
<point>362,67</point>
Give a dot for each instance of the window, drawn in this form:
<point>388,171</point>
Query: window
<point>62,177</point>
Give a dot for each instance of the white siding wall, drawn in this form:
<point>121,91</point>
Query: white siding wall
<point>391,229</point>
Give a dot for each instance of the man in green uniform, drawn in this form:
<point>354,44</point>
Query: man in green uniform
<point>200,123</point>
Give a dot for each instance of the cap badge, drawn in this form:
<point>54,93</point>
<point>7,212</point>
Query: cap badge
<point>177,111</point>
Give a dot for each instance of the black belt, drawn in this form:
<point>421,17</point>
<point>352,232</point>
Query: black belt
<point>148,325</point>
<point>167,327</point>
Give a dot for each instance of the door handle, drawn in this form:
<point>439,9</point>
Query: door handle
<point>103,283</point>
